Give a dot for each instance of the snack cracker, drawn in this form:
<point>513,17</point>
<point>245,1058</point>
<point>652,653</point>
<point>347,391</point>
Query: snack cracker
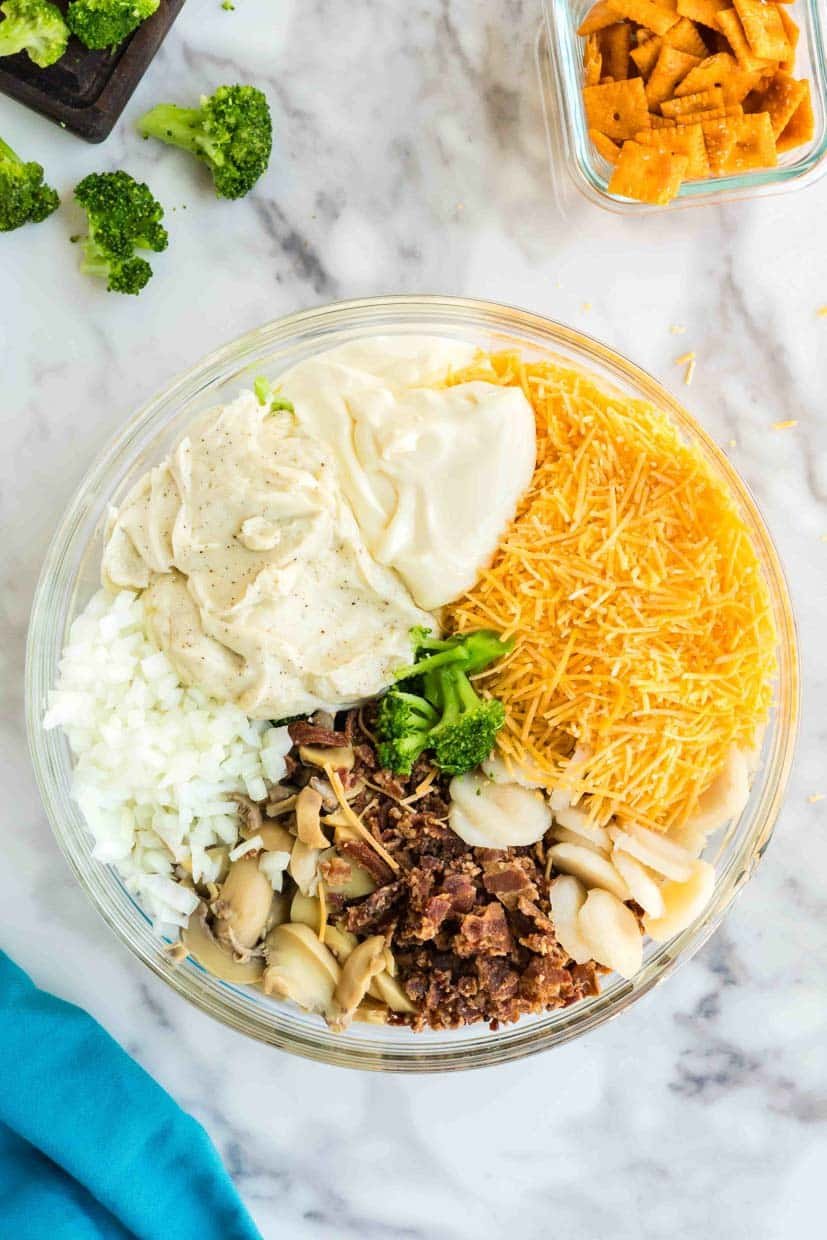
<point>701,101</point>
<point>800,127</point>
<point>754,145</point>
<point>671,68</point>
<point>618,109</point>
<point>647,14</point>
<point>763,28</point>
<point>647,175</point>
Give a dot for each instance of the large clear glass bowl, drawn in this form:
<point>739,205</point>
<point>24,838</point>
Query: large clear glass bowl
<point>70,575</point>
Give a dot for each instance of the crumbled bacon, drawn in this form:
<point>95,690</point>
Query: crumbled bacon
<point>510,879</point>
<point>304,733</point>
<point>485,933</point>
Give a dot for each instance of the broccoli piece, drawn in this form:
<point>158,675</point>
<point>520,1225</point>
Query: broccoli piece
<point>123,217</point>
<point>101,24</point>
<point>448,716</point>
<point>24,199</point>
<point>231,131</point>
<point>34,27</point>
<point>465,735</point>
<point>404,721</point>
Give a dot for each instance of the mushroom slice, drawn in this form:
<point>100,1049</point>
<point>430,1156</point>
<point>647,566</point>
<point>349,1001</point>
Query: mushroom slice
<point>592,868</point>
<point>371,1013</point>
<point>645,890</point>
<point>567,896</point>
<point>612,933</point>
<point>581,824</point>
<point>243,904</point>
<point>300,968</point>
<point>653,850</point>
<point>727,795</point>
<point>341,942</point>
<point>202,945</point>
<point>683,903</point>
<point>361,966</point>
<point>341,759</point>
<point>304,867</point>
<point>249,814</point>
<point>387,990</point>
<point>304,909</point>
<point>345,877</point>
<point>308,808</point>
<point>282,806</point>
<point>275,838</point>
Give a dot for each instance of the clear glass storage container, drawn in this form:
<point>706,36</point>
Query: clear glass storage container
<point>560,65</point>
<point>70,576</point>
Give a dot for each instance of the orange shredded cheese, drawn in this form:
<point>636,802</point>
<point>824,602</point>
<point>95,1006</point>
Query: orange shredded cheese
<point>643,624</point>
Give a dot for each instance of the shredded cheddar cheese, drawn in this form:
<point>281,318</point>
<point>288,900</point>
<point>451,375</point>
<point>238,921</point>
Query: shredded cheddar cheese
<point>643,625</point>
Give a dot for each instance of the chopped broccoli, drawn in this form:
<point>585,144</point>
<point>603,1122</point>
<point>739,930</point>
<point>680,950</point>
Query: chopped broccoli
<point>448,716</point>
<point>24,199</point>
<point>232,132</point>
<point>35,27</point>
<point>123,217</point>
<point>265,395</point>
<point>103,24</point>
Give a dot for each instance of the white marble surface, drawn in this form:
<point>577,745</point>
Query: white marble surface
<point>410,156</point>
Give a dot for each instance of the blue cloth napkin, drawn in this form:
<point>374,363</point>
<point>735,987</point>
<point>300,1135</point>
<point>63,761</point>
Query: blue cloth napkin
<point>91,1148</point>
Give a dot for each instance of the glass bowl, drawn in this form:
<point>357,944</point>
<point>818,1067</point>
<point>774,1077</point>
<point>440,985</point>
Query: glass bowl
<point>560,64</point>
<point>70,576</point>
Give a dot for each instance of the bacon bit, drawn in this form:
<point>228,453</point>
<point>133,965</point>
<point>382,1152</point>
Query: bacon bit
<point>785,426</point>
<point>817,796</point>
<point>353,820</point>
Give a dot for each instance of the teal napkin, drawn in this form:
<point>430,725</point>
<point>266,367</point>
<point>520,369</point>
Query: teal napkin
<point>91,1148</point>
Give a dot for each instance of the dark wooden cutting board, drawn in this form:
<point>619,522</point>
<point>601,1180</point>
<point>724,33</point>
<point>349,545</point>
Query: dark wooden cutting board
<point>87,91</point>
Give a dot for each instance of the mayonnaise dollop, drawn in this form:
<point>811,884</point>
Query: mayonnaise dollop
<point>286,557</point>
<point>433,474</point>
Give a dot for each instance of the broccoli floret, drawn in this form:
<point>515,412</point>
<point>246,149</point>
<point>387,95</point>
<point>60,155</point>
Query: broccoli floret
<point>123,216</point>
<point>103,24</point>
<point>448,716</point>
<point>469,725</point>
<point>232,132</point>
<point>24,199</point>
<point>404,721</point>
<point>35,27</point>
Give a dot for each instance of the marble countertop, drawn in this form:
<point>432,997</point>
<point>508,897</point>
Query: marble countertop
<point>410,156</point>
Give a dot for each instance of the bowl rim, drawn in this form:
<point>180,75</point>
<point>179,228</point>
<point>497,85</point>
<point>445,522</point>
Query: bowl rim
<point>326,325</point>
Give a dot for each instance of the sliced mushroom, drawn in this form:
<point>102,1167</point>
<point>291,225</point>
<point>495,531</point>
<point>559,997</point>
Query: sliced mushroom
<point>581,824</point>
<point>371,1013</point>
<point>361,966</point>
<point>653,850</point>
<point>562,835</point>
<point>308,808</point>
<point>279,808</point>
<point>305,910</point>
<point>592,868</point>
<point>643,886</point>
<point>727,795</point>
<point>300,968</point>
<point>243,905</point>
<point>567,896</point>
<point>321,785</point>
<point>683,902</point>
<point>202,945</point>
<point>304,867</point>
<point>341,942</point>
<point>341,759</point>
<point>250,815</point>
<point>611,931</point>
<point>275,838</point>
<point>357,882</point>
<point>388,990</point>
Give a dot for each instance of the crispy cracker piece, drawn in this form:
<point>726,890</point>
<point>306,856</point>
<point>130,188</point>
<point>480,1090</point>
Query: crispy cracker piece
<point>672,5</point>
<point>685,37</point>
<point>764,29</point>
<point>719,139</point>
<point>685,140</point>
<point>647,14</point>
<point>781,99</point>
<point>793,34</point>
<point>663,122</point>
<point>720,70</point>
<point>671,68</point>
<point>754,145</point>
<point>647,175</point>
<point>714,114</point>
<point>617,109</point>
<point>599,15</point>
<point>615,44</point>
<point>646,54</point>
<point>592,61</point>
<point>703,11</point>
<point>730,25</point>
<point>701,101</point>
<point>604,146</point>
<point>801,126</point>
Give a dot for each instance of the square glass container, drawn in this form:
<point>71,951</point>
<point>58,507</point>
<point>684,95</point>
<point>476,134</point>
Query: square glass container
<point>560,62</point>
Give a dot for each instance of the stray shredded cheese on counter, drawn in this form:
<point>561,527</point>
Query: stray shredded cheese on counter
<point>643,623</point>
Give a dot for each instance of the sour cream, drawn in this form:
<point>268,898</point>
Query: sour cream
<point>286,557</point>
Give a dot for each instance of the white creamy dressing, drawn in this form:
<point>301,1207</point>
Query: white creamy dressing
<point>285,558</point>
